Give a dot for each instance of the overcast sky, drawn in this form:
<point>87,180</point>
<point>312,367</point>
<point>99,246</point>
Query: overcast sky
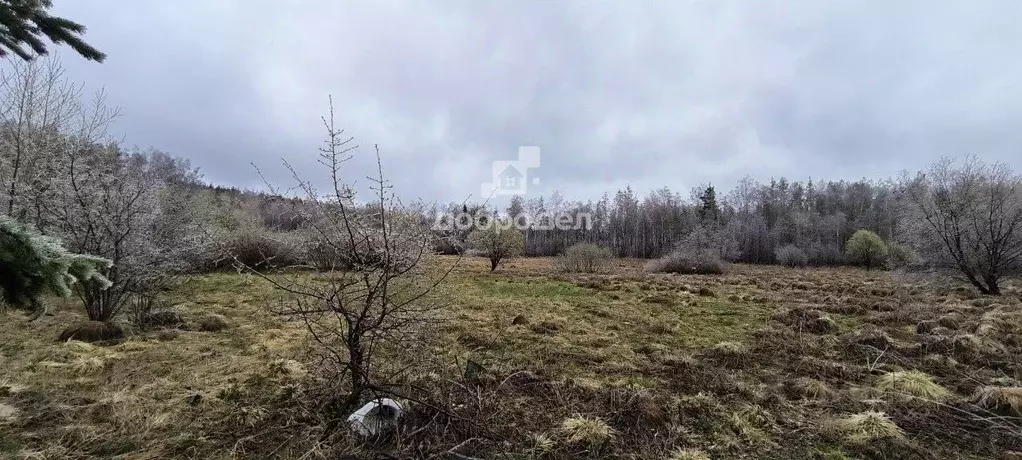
<point>658,93</point>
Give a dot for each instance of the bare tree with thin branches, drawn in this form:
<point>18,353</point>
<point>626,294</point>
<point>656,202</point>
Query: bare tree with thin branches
<point>375,299</point>
<point>38,104</point>
<point>969,219</point>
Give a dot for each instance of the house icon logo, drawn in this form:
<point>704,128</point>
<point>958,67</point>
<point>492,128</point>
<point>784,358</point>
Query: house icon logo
<point>512,177</point>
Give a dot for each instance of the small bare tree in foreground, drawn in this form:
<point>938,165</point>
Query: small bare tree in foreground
<point>970,219</point>
<point>374,300</point>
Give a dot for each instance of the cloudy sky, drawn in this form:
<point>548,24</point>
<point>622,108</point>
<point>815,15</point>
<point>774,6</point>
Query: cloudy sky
<point>648,94</point>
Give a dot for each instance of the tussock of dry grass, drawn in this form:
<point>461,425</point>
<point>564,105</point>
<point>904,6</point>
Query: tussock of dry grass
<point>289,367</point>
<point>1002,320</point>
<point>213,322</point>
<point>581,429</point>
<point>729,353</point>
<point>8,413</point>
<point>688,454</point>
<point>867,427</point>
<point>1000,398</point>
<point>86,365</point>
<point>926,326</point>
<point>872,337</point>
<point>808,319</point>
<point>79,346</point>
<point>912,383</point>
<point>542,443</point>
<point>810,389</point>
<point>749,423</point>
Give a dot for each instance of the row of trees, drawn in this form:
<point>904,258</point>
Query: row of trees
<point>758,218</point>
<point>963,216</point>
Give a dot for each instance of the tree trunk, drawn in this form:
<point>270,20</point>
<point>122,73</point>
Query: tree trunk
<point>992,287</point>
<point>975,282</point>
<point>493,263</point>
<point>359,378</point>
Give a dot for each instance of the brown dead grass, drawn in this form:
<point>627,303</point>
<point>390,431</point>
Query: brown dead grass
<point>1007,399</point>
<point>769,366</point>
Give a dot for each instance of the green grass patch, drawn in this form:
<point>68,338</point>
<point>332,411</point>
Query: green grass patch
<point>536,288</point>
<point>706,322</point>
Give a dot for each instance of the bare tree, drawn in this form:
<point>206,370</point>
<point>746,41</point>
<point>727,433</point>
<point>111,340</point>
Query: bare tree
<point>375,298</point>
<point>971,219</point>
<point>498,240</point>
<point>103,200</point>
<point>38,103</point>
<point>108,207</point>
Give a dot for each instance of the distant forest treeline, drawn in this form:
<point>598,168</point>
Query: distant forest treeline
<point>818,217</point>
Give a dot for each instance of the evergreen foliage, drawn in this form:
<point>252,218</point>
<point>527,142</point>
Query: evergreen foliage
<point>33,265</point>
<point>709,209</point>
<point>27,23</point>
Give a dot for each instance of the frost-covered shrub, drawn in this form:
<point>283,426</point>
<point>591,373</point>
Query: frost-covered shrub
<point>792,256</point>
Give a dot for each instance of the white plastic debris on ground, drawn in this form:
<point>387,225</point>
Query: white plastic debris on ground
<point>375,417</point>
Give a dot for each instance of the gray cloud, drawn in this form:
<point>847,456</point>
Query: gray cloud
<point>615,93</point>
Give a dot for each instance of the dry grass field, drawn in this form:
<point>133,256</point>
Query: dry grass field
<point>764,362</point>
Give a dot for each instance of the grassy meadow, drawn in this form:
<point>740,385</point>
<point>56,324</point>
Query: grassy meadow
<point>764,362</point>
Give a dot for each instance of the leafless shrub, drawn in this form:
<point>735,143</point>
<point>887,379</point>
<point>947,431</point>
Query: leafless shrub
<point>265,249</point>
<point>703,251</point>
<point>324,256</point>
<point>792,256</point>
<point>1007,399</point>
<point>111,207</point>
<point>825,254</point>
<point>497,241</point>
<point>145,309</point>
<point>585,258</point>
<point>140,306</point>
<point>705,262</point>
<point>902,256</point>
